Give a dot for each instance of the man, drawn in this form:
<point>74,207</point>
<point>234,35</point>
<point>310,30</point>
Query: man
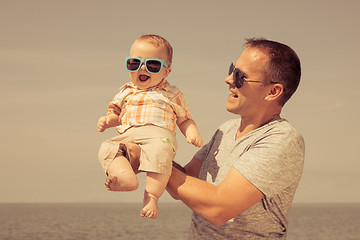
<point>241,184</point>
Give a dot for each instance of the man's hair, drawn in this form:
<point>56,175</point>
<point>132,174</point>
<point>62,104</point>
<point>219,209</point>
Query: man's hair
<point>283,66</point>
<point>159,41</point>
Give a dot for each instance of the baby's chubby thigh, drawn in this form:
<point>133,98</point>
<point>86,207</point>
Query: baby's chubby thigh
<point>127,146</point>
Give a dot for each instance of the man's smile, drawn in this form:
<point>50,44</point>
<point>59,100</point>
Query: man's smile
<point>233,94</point>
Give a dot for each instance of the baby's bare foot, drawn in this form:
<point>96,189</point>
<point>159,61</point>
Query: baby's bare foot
<point>108,182</point>
<point>114,183</point>
<point>150,208</point>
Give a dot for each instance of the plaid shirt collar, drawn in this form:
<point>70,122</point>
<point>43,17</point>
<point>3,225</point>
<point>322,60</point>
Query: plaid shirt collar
<point>164,85</point>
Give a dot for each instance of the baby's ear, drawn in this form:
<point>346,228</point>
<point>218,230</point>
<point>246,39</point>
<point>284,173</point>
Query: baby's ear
<point>167,71</point>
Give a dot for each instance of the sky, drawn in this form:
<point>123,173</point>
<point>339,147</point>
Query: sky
<point>61,62</point>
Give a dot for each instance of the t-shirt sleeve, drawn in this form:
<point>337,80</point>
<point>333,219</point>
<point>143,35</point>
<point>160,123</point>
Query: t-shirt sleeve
<point>204,151</point>
<point>274,161</point>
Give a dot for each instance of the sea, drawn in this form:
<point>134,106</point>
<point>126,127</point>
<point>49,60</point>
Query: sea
<point>121,221</point>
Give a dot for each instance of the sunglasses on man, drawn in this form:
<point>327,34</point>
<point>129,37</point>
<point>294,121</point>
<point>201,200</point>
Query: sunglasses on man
<point>239,77</point>
<point>152,65</point>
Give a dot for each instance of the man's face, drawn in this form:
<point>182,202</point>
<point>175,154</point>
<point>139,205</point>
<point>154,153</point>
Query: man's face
<point>249,98</point>
<point>142,78</point>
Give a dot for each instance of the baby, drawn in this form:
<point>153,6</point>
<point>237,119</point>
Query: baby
<point>146,112</point>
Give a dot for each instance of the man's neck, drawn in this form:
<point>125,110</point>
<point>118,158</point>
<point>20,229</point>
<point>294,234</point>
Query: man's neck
<point>247,125</point>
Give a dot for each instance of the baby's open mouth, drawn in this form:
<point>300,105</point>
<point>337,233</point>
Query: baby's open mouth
<point>143,77</point>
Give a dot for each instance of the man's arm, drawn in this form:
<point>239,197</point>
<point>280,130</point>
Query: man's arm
<point>217,204</point>
<point>191,169</point>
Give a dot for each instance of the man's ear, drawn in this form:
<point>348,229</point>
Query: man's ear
<point>275,92</point>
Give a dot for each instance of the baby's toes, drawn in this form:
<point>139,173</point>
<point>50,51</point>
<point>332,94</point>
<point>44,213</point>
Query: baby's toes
<point>110,179</point>
<point>144,212</point>
<point>153,215</point>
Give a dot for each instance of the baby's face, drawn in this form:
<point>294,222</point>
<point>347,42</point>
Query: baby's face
<point>142,78</point>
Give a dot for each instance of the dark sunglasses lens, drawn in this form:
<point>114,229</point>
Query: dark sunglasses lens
<point>153,66</point>
<point>231,68</point>
<point>238,78</point>
<point>133,64</point>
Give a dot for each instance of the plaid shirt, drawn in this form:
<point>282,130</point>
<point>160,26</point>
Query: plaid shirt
<point>159,105</point>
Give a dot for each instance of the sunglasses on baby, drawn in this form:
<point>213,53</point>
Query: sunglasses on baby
<point>239,77</point>
<point>152,65</point>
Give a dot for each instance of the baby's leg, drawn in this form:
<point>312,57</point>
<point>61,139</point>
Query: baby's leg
<point>155,186</point>
<point>121,176</point>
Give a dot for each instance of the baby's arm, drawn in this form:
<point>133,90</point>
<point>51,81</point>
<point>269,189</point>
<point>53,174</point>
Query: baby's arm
<point>112,119</point>
<point>188,128</point>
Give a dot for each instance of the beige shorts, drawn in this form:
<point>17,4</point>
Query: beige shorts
<point>158,148</point>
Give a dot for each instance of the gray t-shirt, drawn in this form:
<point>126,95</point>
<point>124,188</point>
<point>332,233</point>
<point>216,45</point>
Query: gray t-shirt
<point>271,158</point>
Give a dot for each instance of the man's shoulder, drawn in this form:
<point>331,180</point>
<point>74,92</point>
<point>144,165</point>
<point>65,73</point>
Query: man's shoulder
<point>283,133</point>
<point>283,126</point>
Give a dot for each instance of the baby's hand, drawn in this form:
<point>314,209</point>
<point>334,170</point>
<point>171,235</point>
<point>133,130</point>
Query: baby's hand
<point>195,140</point>
<point>102,124</point>
<point>108,121</point>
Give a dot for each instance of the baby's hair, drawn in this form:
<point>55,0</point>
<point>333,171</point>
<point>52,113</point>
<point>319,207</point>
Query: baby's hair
<point>159,41</point>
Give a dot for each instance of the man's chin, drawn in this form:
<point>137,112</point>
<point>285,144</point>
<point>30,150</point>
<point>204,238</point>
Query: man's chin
<point>231,109</point>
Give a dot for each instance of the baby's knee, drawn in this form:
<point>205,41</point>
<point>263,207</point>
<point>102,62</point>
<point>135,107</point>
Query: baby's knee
<point>134,185</point>
<point>130,184</point>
